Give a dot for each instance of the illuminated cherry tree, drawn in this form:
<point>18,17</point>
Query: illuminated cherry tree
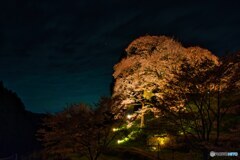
<point>142,76</point>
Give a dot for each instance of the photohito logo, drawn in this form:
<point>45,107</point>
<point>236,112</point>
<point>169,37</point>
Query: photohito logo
<point>212,153</point>
<point>220,154</point>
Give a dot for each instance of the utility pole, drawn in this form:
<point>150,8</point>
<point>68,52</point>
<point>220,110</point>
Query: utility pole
<point>158,151</point>
<point>142,115</point>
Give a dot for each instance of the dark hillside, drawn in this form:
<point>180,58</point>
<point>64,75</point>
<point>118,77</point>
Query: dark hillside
<point>17,126</point>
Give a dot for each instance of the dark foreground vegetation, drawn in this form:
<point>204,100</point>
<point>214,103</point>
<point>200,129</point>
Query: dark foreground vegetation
<point>168,102</point>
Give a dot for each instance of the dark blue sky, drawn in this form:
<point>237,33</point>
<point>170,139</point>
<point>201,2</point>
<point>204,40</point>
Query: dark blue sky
<point>54,53</point>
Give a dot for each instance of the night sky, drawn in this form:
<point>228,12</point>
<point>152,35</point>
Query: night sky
<point>54,53</point>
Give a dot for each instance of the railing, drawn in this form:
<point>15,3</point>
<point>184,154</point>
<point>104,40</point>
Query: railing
<point>11,157</point>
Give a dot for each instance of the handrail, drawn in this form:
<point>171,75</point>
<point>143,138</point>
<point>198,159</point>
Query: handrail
<point>11,157</point>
